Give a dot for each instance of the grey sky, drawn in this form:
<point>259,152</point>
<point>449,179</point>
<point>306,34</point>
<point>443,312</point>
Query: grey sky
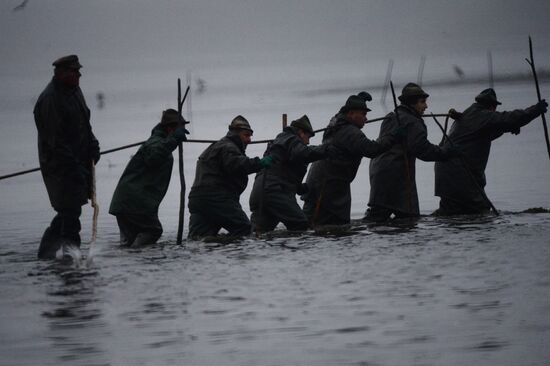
<point>140,34</point>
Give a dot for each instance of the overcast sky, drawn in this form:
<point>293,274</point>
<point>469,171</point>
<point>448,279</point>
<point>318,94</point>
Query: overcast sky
<point>140,34</point>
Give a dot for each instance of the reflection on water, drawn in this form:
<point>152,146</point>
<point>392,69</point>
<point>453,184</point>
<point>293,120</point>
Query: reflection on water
<point>436,291</point>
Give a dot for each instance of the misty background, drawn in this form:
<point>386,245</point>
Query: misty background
<point>259,59</point>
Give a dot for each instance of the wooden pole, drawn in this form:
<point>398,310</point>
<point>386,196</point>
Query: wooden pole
<point>285,120</point>
<point>190,141</point>
<point>95,206</point>
<point>420,74</point>
<point>542,116</point>
<point>181,172</point>
<point>386,83</point>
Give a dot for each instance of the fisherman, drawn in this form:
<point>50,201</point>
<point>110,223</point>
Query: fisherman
<point>221,176</point>
<point>67,148</point>
<point>459,182</point>
<point>145,181</point>
<point>328,201</point>
<point>392,174</point>
<point>273,198</point>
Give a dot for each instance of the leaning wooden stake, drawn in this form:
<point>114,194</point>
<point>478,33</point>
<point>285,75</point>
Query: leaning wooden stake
<point>181,173</point>
<point>531,63</point>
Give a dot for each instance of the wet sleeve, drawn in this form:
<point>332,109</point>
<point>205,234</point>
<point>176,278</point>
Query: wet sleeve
<point>419,146</point>
<point>300,152</point>
<point>155,152</point>
<point>360,145</point>
<point>502,122</point>
<point>234,161</point>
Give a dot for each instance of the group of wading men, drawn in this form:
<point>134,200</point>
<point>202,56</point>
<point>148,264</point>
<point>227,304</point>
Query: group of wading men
<point>68,150</point>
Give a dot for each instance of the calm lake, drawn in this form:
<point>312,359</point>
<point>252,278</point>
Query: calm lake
<point>455,291</point>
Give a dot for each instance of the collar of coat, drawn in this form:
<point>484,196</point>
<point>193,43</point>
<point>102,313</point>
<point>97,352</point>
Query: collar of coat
<point>336,123</point>
<point>64,88</point>
<point>410,110</point>
<point>158,130</point>
<point>234,138</point>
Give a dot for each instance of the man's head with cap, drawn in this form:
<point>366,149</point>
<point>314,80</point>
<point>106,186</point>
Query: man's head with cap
<point>305,130</point>
<point>240,126</point>
<point>171,119</point>
<point>67,70</point>
<point>488,98</point>
<point>356,109</point>
<point>413,96</point>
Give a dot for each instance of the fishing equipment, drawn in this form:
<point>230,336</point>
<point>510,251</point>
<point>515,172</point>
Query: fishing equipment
<point>531,63</point>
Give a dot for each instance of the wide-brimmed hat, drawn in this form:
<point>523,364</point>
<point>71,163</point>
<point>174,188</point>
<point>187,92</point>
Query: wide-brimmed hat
<point>412,90</point>
<point>240,123</point>
<point>355,103</point>
<point>487,96</point>
<point>303,123</point>
<point>68,62</point>
<point>171,116</point>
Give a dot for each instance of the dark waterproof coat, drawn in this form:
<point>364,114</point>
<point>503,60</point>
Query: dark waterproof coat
<point>329,198</point>
<point>145,180</point>
<point>390,185</point>
<point>66,144</point>
<point>291,158</point>
<point>474,132</point>
<point>224,168</point>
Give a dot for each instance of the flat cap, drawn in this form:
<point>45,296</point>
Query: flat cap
<point>69,62</point>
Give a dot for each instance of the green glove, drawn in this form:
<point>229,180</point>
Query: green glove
<point>266,161</point>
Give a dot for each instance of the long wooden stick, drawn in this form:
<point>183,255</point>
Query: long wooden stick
<point>181,173</point>
<point>188,140</point>
<point>465,166</point>
<point>542,116</point>
<point>95,206</point>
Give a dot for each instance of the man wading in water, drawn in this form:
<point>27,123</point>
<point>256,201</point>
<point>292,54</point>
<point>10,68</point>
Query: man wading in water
<point>392,174</point>
<point>220,178</point>
<point>67,148</point>
<point>273,198</point>
<point>145,181</point>
<point>460,191</point>
<point>328,201</point>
